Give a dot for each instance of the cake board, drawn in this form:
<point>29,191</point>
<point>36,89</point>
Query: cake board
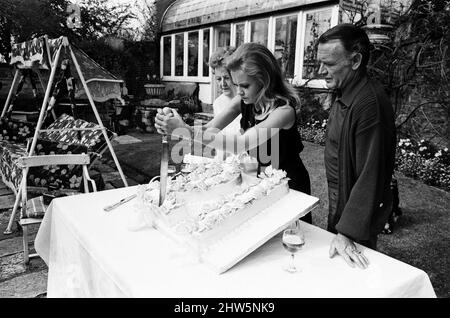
<point>258,230</point>
<point>250,235</point>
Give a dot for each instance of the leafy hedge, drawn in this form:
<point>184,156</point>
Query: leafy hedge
<point>420,160</point>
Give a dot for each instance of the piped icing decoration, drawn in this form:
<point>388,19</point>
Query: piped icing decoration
<point>204,176</point>
<point>212,214</point>
<point>195,218</point>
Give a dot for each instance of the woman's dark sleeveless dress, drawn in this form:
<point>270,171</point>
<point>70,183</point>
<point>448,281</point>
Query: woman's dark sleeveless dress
<point>290,146</point>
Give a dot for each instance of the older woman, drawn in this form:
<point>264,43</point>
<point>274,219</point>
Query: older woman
<point>226,86</point>
<point>228,91</point>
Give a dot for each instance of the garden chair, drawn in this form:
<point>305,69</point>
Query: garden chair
<point>47,160</point>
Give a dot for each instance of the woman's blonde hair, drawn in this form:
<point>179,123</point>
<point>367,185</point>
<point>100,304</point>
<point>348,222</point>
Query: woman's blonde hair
<point>257,62</point>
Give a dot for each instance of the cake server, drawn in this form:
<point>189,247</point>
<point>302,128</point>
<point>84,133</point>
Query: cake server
<point>163,172</point>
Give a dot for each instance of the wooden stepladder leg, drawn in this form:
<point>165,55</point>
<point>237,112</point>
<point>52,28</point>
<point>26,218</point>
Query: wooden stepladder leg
<point>97,116</point>
<point>14,210</point>
<point>26,251</point>
<point>8,99</point>
<point>33,144</point>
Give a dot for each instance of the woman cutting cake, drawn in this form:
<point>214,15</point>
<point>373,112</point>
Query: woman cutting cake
<point>269,124</point>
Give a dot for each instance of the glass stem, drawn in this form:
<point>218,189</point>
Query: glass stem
<point>292,261</point>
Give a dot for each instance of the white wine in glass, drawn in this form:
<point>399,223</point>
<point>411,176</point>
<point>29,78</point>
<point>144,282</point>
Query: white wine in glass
<point>293,241</point>
<point>171,170</point>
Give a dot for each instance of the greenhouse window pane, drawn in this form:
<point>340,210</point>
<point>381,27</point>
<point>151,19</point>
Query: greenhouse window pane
<point>260,31</point>
<point>223,35</point>
<point>193,53</point>
<point>179,54</point>
<point>316,24</point>
<point>240,28</point>
<point>285,38</point>
<point>167,55</point>
<point>205,52</point>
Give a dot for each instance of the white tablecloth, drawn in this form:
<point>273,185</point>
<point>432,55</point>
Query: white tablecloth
<point>91,253</point>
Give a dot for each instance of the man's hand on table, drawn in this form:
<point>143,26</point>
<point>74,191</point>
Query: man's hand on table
<point>345,247</point>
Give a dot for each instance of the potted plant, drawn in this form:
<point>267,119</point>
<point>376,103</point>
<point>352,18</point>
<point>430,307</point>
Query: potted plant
<point>154,87</point>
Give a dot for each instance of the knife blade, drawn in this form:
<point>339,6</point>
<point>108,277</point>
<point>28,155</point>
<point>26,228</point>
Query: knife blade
<point>163,172</point>
<point>123,201</point>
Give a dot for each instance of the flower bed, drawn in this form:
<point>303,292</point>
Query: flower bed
<point>424,161</point>
<point>314,131</point>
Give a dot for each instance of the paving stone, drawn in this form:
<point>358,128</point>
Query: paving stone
<point>16,231</point>
<point>11,246</point>
<point>7,201</point>
<point>117,183</point>
<point>104,160</point>
<point>5,190</point>
<point>13,265</point>
<point>131,182</point>
<point>107,177</point>
<point>102,167</point>
<point>109,186</point>
<point>4,220</point>
<point>25,286</point>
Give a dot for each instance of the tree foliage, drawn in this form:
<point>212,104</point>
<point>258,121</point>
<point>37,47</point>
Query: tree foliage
<point>150,28</point>
<point>21,20</point>
<point>25,19</point>
<point>414,65</point>
<point>106,33</point>
<point>100,19</point>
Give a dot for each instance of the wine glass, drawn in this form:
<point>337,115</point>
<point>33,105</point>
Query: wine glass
<point>293,241</point>
<point>185,169</point>
<point>171,170</point>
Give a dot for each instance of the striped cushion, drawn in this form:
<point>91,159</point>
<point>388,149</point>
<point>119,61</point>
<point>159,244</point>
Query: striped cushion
<point>92,139</point>
<point>36,207</point>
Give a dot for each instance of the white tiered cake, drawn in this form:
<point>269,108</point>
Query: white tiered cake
<point>204,206</point>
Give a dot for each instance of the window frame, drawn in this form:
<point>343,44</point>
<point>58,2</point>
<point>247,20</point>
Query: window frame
<point>269,27</point>
<point>198,52</point>
<point>215,34</point>
<point>297,42</point>
<point>185,78</point>
<point>297,80</point>
<point>173,57</point>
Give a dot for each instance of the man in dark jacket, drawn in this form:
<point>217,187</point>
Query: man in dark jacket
<point>360,144</point>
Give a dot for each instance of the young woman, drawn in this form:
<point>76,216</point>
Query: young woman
<point>267,104</point>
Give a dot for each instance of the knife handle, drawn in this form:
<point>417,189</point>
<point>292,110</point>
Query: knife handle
<point>165,138</point>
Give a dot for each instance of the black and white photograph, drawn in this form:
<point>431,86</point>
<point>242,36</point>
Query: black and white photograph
<point>225,156</point>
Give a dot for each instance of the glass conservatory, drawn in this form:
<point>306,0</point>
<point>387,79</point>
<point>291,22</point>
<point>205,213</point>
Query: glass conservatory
<point>193,29</point>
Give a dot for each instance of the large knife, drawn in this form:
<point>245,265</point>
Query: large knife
<point>163,172</point>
